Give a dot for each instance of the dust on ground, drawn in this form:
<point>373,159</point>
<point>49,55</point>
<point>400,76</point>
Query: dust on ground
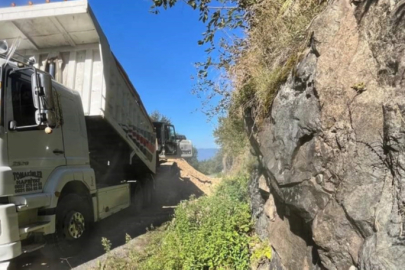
<point>176,180</point>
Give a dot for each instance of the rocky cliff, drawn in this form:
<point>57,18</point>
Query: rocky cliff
<point>330,189</point>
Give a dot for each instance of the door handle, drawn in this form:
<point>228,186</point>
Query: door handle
<point>56,151</point>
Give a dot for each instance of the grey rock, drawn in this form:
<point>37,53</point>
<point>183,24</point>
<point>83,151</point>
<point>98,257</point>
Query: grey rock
<point>334,158</point>
<point>306,199</point>
<point>283,228</point>
<point>360,206</point>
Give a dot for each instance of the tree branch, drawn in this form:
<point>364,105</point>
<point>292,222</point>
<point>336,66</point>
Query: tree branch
<point>222,7</point>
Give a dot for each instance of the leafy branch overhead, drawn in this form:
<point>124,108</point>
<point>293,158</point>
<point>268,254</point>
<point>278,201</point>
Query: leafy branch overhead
<point>223,16</point>
<point>229,14</point>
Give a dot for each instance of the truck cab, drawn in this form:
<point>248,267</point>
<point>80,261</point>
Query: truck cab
<point>43,143</point>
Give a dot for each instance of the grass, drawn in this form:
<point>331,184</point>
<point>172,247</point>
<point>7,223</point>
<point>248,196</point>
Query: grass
<point>276,38</point>
<point>212,232</point>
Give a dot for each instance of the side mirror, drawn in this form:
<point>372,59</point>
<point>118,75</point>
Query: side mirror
<point>42,91</point>
<point>12,125</point>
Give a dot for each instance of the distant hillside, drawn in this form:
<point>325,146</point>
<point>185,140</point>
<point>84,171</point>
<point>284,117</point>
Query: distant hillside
<point>206,153</point>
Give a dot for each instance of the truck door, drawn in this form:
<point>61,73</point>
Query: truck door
<point>32,153</point>
<point>159,136</point>
<point>170,143</point>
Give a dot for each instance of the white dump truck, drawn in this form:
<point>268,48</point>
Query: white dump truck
<point>76,143</point>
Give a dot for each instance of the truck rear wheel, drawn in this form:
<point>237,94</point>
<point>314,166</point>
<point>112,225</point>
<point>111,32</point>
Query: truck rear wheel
<point>138,198</point>
<point>148,191</point>
<point>73,221</point>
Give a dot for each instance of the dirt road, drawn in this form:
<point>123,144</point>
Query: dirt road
<point>175,181</point>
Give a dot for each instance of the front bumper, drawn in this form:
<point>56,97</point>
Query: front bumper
<point>10,244</point>
<point>10,251</point>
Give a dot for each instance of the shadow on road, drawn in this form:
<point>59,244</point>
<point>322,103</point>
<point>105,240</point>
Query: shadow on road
<point>171,189</point>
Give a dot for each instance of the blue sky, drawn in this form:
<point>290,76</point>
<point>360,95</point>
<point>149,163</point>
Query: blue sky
<point>158,52</point>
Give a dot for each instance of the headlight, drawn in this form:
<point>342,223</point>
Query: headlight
<point>3,47</point>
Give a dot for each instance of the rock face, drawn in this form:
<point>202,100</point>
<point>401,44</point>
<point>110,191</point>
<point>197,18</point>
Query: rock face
<point>332,151</point>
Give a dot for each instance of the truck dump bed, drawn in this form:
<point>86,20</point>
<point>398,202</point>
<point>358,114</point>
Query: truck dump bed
<point>66,37</point>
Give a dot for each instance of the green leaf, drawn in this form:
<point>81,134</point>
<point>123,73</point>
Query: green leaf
<point>192,3</point>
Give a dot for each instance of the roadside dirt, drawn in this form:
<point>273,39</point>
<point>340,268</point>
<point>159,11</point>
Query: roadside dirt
<point>176,180</point>
<point>200,180</point>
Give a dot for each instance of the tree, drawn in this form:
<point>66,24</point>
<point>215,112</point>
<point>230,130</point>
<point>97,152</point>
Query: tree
<point>230,134</point>
<point>156,116</point>
<point>213,165</point>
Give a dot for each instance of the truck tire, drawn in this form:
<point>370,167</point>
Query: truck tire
<point>157,161</point>
<point>148,191</point>
<point>73,222</point>
<point>137,199</point>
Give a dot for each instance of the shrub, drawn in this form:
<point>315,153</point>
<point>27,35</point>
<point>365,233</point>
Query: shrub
<point>208,233</point>
<point>260,252</point>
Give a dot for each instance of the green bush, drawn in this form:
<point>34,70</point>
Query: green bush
<point>207,233</point>
<point>261,252</point>
<point>212,232</point>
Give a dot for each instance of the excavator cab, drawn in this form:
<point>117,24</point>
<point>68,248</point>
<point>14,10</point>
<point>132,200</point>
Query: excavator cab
<point>169,143</point>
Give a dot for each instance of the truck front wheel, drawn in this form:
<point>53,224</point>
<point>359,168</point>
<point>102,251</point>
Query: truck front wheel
<point>73,220</point>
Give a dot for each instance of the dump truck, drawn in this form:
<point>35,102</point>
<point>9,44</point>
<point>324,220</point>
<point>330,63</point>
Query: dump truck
<point>76,142</point>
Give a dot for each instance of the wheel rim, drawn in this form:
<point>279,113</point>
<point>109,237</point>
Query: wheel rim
<point>76,225</point>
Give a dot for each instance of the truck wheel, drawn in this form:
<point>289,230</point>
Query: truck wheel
<point>73,221</point>
<point>148,191</point>
<point>157,161</point>
<point>137,198</point>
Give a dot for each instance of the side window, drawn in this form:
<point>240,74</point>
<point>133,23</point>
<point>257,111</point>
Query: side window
<point>171,133</point>
<point>23,105</point>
